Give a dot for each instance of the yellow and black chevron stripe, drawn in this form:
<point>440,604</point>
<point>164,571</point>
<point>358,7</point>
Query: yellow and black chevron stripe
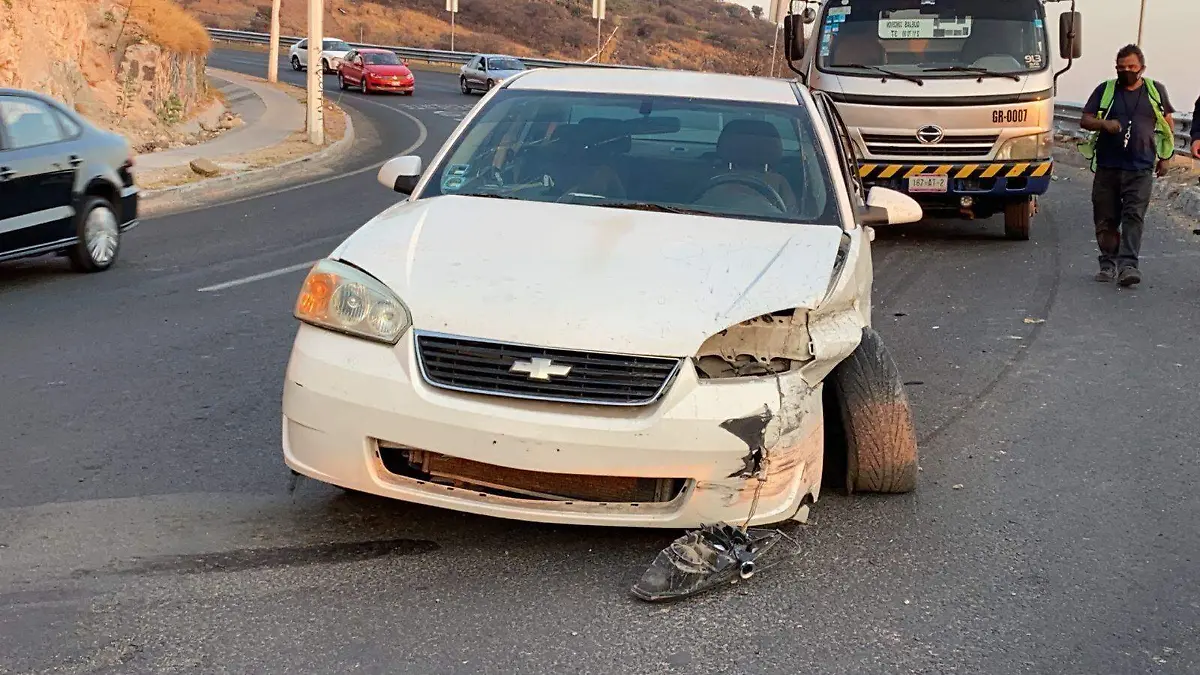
<point>986,170</point>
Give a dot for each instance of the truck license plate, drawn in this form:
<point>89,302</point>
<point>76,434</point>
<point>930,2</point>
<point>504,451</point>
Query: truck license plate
<point>927,182</point>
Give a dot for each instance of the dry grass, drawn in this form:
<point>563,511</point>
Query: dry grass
<point>688,34</point>
<point>169,25</point>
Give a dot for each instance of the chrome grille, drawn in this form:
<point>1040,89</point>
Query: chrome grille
<point>484,367</point>
<point>907,145</point>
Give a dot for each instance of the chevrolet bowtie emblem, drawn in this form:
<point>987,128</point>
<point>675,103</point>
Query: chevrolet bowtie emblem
<point>539,369</point>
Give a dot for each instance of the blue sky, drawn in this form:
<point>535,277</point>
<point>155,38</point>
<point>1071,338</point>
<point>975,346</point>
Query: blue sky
<point>1171,43</point>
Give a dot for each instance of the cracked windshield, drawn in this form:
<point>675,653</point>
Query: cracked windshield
<point>723,158</point>
<point>923,38</point>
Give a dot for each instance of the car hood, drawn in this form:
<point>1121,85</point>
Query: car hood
<point>588,278</point>
<point>388,70</point>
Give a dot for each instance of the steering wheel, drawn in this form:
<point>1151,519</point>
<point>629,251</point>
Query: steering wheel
<point>757,184</point>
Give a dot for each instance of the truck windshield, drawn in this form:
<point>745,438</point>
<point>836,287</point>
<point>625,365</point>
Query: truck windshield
<point>933,38</point>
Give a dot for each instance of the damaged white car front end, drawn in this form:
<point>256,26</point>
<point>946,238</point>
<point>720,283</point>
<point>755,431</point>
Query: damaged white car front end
<point>588,360</point>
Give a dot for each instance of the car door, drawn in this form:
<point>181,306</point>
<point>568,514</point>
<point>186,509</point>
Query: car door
<point>471,71</point>
<point>301,52</point>
<point>38,169</point>
<point>351,67</point>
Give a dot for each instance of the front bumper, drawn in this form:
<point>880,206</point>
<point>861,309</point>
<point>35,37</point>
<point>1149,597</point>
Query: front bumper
<point>129,207</point>
<point>388,85</point>
<point>979,180</point>
<point>349,404</point>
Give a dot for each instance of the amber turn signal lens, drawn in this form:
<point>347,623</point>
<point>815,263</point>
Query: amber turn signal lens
<point>314,296</point>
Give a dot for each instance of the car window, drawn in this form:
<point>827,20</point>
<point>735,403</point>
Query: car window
<point>724,158</point>
<point>302,44</point>
<point>335,46</point>
<point>505,64</point>
<point>70,127</point>
<point>381,59</point>
<point>29,122</point>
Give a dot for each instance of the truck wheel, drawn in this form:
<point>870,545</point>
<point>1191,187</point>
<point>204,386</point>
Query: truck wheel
<point>1017,218</point>
<point>871,443</point>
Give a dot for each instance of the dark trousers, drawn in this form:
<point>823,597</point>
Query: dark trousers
<point>1119,203</point>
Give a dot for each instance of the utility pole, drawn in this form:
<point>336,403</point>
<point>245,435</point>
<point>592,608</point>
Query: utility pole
<point>598,12</point>
<point>316,72</point>
<point>777,12</point>
<point>452,7</point>
<point>273,63</point>
<point>1141,23</point>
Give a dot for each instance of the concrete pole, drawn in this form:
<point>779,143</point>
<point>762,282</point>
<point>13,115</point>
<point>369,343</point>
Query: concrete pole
<point>273,63</point>
<point>1141,23</point>
<point>316,73</point>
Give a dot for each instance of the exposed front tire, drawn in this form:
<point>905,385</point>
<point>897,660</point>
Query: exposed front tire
<point>325,66</point>
<point>462,82</point>
<point>296,63</point>
<point>99,237</point>
<point>341,82</point>
<point>869,414</point>
<point>362,85</point>
<point>1018,216</point>
<point>490,84</point>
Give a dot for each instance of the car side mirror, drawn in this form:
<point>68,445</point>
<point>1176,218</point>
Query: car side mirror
<point>888,207</point>
<point>401,174</point>
<point>793,35</point>
<point>1070,35</point>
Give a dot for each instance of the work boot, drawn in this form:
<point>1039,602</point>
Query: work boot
<point>1106,274</point>
<point>1130,276</point>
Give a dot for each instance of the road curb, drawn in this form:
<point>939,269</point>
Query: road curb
<point>155,201</point>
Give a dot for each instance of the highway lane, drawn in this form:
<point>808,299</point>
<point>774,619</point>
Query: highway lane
<point>146,523</point>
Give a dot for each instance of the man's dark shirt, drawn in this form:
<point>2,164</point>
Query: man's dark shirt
<point>1196,122</point>
<point>1129,106</point>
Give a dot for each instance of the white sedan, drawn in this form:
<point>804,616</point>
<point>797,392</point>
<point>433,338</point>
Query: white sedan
<point>617,297</point>
<point>333,51</point>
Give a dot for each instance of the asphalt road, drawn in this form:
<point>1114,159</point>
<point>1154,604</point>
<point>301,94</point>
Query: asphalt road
<point>146,523</point>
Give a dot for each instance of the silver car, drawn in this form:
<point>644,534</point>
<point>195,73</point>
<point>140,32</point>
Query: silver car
<point>485,71</point>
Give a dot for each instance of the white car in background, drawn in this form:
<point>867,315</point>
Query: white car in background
<point>618,297</point>
<point>333,51</point>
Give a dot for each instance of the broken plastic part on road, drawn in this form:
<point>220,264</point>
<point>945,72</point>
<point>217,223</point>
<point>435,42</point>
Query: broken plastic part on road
<point>703,559</point>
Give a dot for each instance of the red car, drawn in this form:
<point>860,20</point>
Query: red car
<point>375,70</point>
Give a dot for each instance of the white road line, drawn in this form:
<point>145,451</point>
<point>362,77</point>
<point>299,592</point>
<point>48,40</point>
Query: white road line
<point>258,277</point>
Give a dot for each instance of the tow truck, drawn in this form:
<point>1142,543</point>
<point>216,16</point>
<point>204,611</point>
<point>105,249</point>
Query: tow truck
<point>949,101</point>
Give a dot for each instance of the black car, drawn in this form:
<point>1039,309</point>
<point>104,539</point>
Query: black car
<point>66,187</point>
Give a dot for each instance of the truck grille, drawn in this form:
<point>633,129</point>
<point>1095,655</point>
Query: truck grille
<point>907,145</point>
<point>486,367</point>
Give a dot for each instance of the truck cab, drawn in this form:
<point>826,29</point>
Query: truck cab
<point>949,101</point>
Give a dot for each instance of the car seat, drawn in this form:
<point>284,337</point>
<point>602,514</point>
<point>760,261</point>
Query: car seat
<point>754,148</point>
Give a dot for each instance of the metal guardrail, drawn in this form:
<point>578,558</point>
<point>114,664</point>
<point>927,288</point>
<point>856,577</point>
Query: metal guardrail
<point>1066,115</point>
<point>427,55</point>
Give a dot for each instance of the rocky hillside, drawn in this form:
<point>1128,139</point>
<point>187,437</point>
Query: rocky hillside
<point>690,34</point>
<point>138,71</point>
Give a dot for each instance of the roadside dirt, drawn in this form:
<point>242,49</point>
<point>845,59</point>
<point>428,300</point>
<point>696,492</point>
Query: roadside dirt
<point>295,147</point>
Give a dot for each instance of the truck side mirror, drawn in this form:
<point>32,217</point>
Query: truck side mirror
<point>1070,35</point>
<point>793,36</point>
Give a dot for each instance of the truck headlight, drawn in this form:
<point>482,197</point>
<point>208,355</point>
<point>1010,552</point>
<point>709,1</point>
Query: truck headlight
<point>1025,148</point>
<point>341,298</point>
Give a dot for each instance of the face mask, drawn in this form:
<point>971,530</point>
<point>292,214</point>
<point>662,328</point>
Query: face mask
<point>1128,77</point>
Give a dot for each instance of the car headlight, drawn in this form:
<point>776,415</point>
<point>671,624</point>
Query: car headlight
<point>341,298</point>
<point>1024,148</point>
<point>766,345</point>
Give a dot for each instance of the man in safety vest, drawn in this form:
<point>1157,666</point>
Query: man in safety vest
<point>1196,131</point>
<point>1134,138</point>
